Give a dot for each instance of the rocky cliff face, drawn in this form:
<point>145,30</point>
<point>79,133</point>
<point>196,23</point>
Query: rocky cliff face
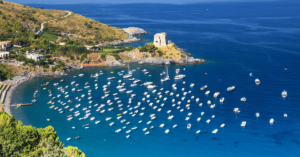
<point>132,31</point>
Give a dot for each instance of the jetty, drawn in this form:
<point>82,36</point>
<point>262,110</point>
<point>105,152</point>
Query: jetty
<point>25,104</point>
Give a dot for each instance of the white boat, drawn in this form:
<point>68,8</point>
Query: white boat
<point>222,125</point>
<point>204,87</point>
<point>68,139</point>
<point>166,78</point>
<point>198,131</point>
<point>162,125</point>
<point>112,123</point>
<point>129,73</point>
<point>144,129</point>
<point>175,125</point>
<point>151,86</point>
<point>231,88</point>
<point>147,133</point>
<point>271,121</point>
<point>284,94</point>
<point>222,100</point>
<point>207,121</point>
<point>128,131</point>
<point>285,115</point>
<point>147,83</point>
<point>257,81</point>
<point>243,99</point>
<point>207,92</point>
<point>198,119</point>
<point>111,78</point>
<point>189,126</point>
<point>167,131</point>
<point>177,77</point>
<point>250,74</point>
<point>243,124</point>
<point>216,94</point>
<point>170,117</point>
<point>177,71</point>
<point>187,118</point>
<point>257,114</point>
<point>215,131</point>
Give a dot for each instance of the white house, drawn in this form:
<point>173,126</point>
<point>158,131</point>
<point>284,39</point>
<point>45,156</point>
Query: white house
<point>62,43</point>
<point>35,56</point>
<point>4,53</point>
<point>5,45</point>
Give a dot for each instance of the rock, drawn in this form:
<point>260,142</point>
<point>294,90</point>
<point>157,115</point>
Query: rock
<point>132,31</point>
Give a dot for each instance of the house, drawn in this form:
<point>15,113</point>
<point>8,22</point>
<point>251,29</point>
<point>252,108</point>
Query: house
<point>4,54</point>
<point>18,46</point>
<point>35,56</point>
<point>62,43</point>
<point>92,48</point>
<point>5,45</point>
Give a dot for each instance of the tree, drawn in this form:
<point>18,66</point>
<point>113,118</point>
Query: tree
<point>42,8</point>
<point>1,1</point>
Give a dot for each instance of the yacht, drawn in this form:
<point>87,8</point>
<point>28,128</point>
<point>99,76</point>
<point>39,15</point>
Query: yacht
<point>198,119</point>
<point>207,92</point>
<point>257,81</point>
<point>250,74</point>
<point>192,85</point>
<point>222,100</point>
<point>271,121</point>
<point>215,131</point>
<point>189,126</point>
<point>204,87</point>
<point>111,78</point>
<point>147,133</point>
<point>231,88</point>
<point>285,115</point>
<point>198,131</point>
<point>243,123</point>
<point>216,94</point>
<point>147,83</point>
<point>151,86</point>
<point>222,125</point>
<point>167,131</point>
<point>177,77</point>
<point>243,99</point>
<point>207,121</point>
<point>284,94</point>
<point>257,114</point>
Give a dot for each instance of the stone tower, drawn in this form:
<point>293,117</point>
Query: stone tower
<point>160,39</point>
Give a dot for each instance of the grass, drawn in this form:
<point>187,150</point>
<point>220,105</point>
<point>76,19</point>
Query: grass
<point>49,36</point>
<point>109,50</point>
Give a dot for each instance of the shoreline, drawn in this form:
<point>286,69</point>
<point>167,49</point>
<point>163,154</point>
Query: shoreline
<point>9,94</point>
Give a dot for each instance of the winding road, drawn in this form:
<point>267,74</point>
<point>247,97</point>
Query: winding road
<point>42,24</point>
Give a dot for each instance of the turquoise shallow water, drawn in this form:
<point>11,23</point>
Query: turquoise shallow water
<point>235,39</point>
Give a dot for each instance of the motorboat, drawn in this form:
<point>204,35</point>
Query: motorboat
<point>243,124</point>
<point>285,115</point>
<point>162,125</point>
<point>177,77</point>
<point>198,131</point>
<point>111,78</point>
<point>271,121</point>
<point>216,94</point>
<point>284,94</point>
<point>198,119</point>
<point>257,114</point>
<point>257,81</point>
<point>250,74</point>
<point>189,126</point>
<point>222,125</point>
<point>243,99</point>
<point>208,102</point>
<point>207,121</point>
<point>222,100</point>
<point>207,92</point>
<point>231,88</point>
<point>151,86</point>
<point>203,88</point>
<point>215,131</point>
<point>167,131</point>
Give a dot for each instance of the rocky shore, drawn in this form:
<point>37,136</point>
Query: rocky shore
<point>132,33</point>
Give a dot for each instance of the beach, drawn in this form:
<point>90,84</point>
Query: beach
<point>15,82</point>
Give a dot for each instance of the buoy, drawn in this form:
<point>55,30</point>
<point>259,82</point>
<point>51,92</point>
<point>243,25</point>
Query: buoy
<point>285,69</point>
<point>112,72</point>
<point>205,73</point>
<point>119,114</point>
<point>48,119</point>
<point>155,98</point>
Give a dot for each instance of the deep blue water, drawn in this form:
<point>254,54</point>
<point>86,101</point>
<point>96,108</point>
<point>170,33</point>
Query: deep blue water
<point>235,39</point>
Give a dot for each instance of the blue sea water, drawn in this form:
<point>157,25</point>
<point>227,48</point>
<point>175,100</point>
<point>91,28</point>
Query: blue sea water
<point>236,39</point>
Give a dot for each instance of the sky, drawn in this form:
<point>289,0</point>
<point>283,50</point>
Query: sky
<point>126,1</point>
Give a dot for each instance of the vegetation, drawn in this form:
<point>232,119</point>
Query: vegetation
<point>149,47</point>
<point>20,141</point>
<point>52,36</point>
<point>5,73</point>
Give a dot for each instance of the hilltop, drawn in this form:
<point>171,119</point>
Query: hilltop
<point>76,27</point>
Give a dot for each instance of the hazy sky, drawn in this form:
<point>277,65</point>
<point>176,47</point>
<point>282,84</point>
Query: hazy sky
<point>126,1</point>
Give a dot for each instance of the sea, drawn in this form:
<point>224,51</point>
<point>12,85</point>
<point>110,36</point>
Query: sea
<point>235,39</point>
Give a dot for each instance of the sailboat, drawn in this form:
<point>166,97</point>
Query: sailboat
<point>129,73</point>
<point>166,78</point>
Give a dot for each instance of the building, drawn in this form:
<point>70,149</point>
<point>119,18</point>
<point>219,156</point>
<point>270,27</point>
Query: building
<point>4,53</point>
<point>35,56</point>
<point>92,48</point>
<point>5,45</point>
<point>62,43</point>
<point>160,39</point>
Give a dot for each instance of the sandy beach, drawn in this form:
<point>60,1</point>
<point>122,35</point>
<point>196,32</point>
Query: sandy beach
<point>9,96</point>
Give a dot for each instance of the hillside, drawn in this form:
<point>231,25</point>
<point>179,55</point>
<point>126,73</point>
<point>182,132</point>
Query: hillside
<point>77,27</point>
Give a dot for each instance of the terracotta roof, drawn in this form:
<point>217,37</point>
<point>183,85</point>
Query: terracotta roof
<point>4,42</point>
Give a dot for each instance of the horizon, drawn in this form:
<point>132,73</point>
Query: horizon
<point>114,2</point>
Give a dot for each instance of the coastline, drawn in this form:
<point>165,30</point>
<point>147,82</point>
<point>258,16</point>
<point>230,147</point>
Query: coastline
<point>9,94</point>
